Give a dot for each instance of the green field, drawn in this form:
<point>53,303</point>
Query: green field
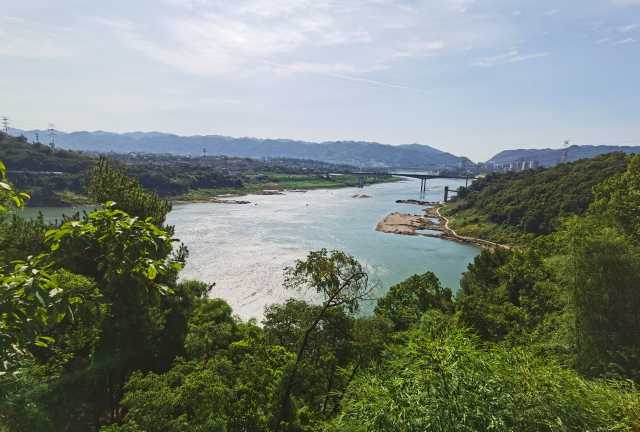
<point>282,182</point>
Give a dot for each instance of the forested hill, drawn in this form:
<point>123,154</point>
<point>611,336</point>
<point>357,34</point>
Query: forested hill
<point>357,153</point>
<point>551,157</point>
<point>19,155</point>
<point>505,206</point>
<point>59,177</point>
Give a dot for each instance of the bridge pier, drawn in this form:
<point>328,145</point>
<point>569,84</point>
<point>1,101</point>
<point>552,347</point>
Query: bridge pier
<point>362,175</point>
<point>423,186</point>
<point>448,191</point>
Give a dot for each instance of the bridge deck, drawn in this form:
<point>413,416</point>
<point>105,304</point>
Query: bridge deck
<point>411,175</point>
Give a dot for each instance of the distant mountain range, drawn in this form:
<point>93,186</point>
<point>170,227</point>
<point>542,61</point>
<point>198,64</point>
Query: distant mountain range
<point>551,157</point>
<point>356,153</point>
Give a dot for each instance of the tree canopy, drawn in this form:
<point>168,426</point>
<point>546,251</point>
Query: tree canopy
<point>98,332</point>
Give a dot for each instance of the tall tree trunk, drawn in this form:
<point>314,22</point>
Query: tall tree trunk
<point>352,375</point>
<point>283,410</point>
<point>329,387</point>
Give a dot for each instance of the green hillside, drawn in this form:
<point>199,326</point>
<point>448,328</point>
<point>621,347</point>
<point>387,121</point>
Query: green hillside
<point>514,206</point>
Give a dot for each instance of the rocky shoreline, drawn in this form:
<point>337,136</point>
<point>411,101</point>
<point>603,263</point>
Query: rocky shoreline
<point>430,224</point>
<point>417,202</point>
<point>404,223</point>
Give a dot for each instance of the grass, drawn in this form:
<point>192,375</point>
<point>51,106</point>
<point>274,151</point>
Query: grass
<point>474,223</point>
<point>255,185</point>
<point>67,197</point>
<point>283,182</point>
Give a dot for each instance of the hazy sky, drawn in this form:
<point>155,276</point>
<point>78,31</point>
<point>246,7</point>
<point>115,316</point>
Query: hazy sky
<point>467,76</point>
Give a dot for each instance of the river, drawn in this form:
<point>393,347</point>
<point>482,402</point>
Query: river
<point>244,248</point>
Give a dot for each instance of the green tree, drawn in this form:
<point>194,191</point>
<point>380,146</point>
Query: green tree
<point>508,294</point>
<point>21,238</point>
<point>111,184</point>
<point>618,199</point>
<point>603,273</point>
<point>30,301</point>
<point>9,198</point>
<point>405,302</point>
<point>330,350</point>
<point>48,388</point>
<point>211,328</point>
<point>133,265</point>
<point>444,380</point>
<point>229,383</point>
<point>341,283</point>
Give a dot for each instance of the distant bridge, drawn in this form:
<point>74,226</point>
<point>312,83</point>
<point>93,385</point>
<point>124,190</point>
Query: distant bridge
<point>422,177</point>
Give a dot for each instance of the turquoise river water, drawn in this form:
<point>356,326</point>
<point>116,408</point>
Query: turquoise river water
<point>244,248</point>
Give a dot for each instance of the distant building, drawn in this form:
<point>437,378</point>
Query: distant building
<point>515,166</point>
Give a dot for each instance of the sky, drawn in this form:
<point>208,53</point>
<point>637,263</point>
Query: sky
<point>471,77</point>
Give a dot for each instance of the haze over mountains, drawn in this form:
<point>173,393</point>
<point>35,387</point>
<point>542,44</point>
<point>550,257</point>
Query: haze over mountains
<point>551,157</point>
<point>356,153</point>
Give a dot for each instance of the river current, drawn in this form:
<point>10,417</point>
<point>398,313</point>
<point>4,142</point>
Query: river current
<point>243,249</point>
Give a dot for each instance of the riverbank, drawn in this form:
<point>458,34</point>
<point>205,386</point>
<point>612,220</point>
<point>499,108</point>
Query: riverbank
<point>486,244</point>
<point>475,223</point>
<point>431,224</point>
<point>283,184</point>
<point>229,195</point>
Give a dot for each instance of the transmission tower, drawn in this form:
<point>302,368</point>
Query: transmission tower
<point>52,136</point>
<point>204,153</point>
<point>5,124</point>
<point>37,141</point>
<point>565,152</point>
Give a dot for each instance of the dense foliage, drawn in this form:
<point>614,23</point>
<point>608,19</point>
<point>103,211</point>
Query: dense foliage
<point>532,201</point>
<point>98,333</point>
<point>442,380</point>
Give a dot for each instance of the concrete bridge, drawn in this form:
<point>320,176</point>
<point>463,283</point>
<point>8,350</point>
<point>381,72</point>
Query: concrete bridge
<point>422,177</point>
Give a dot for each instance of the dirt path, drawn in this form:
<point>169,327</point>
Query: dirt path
<point>455,236</point>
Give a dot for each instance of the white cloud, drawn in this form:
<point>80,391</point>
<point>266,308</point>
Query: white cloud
<point>205,39</point>
<point>210,37</point>
<point>340,71</point>
<point>376,83</point>
<point>629,28</point>
<point>22,39</point>
<point>420,49</point>
<point>513,56</point>
<point>461,5</point>
<point>626,2</point>
<point>624,41</point>
<point>12,19</point>
<point>315,68</point>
